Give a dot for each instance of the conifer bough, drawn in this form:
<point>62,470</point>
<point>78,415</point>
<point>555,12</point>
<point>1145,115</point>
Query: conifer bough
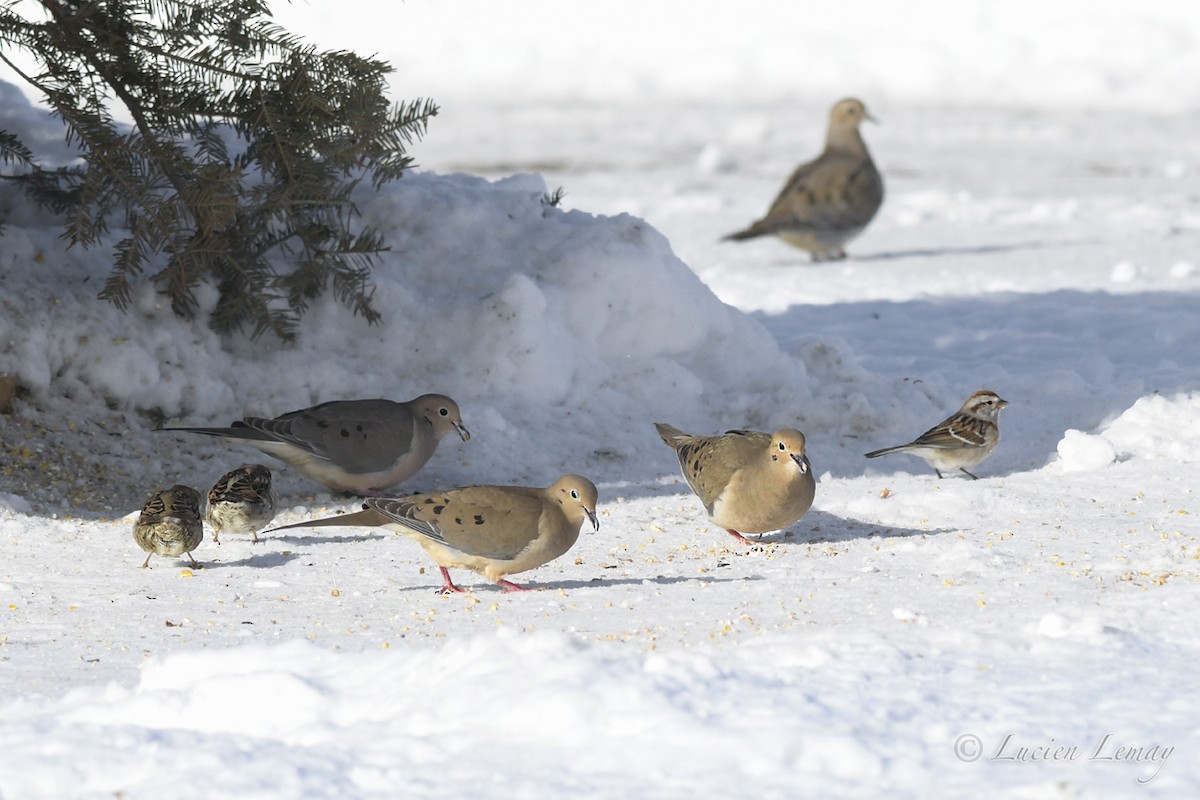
<point>245,148</point>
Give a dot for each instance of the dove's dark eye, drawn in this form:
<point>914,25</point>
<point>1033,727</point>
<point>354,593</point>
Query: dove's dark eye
<point>445,412</point>
<point>782,446</point>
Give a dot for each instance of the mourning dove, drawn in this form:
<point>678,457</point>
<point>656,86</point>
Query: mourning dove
<point>242,501</point>
<point>749,482</point>
<point>962,440</point>
<point>169,524</point>
<point>830,200</point>
<point>355,446</point>
<point>494,530</point>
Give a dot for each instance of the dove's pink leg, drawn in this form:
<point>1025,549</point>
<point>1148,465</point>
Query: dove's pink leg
<point>449,586</point>
<point>738,536</point>
<point>509,586</point>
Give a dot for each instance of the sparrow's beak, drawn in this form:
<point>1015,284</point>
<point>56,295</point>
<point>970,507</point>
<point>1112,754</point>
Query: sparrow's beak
<point>869,117</point>
<point>1001,403</point>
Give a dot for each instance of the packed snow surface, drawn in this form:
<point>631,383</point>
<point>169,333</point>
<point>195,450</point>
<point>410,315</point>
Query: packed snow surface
<point>1032,634</point>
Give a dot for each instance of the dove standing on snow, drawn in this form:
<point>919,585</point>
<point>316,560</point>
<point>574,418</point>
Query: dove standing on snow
<point>170,524</point>
<point>493,530</point>
<point>242,501</point>
<point>355,446</point>
<point>962,440</point>
<point>749,482</point>
<point>830,200</point>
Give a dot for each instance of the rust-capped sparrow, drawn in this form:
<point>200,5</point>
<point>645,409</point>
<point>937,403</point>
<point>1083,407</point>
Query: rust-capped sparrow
<point>169,524</point>
<point>963,440</point>
<point>241,502</point>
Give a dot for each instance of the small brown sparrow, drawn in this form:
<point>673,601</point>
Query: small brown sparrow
<point>965,439</point>
<point>169,524</point>
<point>241,502</point>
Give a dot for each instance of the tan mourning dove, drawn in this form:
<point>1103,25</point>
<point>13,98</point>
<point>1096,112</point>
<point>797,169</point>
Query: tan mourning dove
<point>494,530</point>
<point>749,482</point>
<point>830,200</point>
<point>169,524</point>
<point>962,440</point>
<point>356,446</point>
<point>242,501</point>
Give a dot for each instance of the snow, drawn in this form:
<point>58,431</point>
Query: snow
<point>1028,635</point>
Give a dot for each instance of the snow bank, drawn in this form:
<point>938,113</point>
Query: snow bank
<point>517,309</point>
<point>1155,427</point>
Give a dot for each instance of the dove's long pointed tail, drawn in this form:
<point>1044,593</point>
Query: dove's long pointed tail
<point>239,430</point>
<point>753,232</point>
<point>367,518</point>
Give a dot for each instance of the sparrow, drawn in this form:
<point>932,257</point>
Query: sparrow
<point>962,440</point>
<point>242,501</point>
<point>170,524</point>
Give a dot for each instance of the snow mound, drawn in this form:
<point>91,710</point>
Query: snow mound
<point>490,295</point>
<point>1081,452</point>
<point>1155,427</point>
<point>1159,428</point>
<point>421,711</point>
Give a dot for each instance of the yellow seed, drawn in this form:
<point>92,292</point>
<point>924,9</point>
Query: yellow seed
<point>336,593</point>
<point>185,573</point>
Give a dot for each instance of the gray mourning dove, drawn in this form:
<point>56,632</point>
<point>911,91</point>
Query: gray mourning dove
<point>749,482</point>
<point>354,446</point>
<point>830,200</point>
<point>169,524</point>
<point>962,440</point>
<point>242,501</point>
<point>494,530</point>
